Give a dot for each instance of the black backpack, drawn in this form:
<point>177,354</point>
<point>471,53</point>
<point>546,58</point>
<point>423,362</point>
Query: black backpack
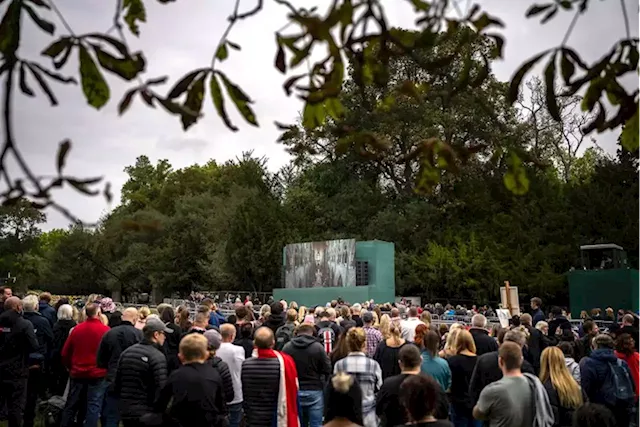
<point>622,385</point>
<point>283,335</point>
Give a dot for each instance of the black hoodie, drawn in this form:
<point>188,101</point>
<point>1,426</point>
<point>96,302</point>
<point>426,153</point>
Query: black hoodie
<point>312,362</point>
<point>274,321</point>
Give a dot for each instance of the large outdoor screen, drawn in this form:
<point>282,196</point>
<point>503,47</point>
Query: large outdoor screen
<point>327,264</point>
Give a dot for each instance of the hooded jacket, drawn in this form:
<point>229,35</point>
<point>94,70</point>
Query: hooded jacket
<point>274,321</point>
<point>543,415</point>
<point>312,362</point>
<point>596,378</point>
<point>17,340</point>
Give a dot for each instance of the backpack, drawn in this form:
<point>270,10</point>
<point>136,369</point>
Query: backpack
<point>622,385</point>
<point>283,335</point>
<point>327,338</point>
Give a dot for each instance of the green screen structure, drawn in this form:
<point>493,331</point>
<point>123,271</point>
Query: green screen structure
<point>380,257</point>
<point>615,288</point>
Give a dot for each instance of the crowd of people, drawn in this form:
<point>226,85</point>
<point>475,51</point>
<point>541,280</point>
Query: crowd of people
<point>288,366</point>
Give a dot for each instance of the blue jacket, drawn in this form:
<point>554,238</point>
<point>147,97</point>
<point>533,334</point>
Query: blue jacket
<point>216,319</point>
<point>595,374</point>
<point>44,334</point>
<point>48,312</point>
<point>537,316</point>
<point>437,368</point>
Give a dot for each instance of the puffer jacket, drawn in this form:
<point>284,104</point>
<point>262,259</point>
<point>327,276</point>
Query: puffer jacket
<point>141,374</point>
<point>227,383</point>
<point>17,341</point>
<point>260,384</point>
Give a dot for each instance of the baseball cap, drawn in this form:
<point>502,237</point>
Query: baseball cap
<point>156,325</point>
<point>214,339</point>
<point>367,317</point>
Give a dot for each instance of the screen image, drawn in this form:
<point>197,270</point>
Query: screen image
<point>328,264</point>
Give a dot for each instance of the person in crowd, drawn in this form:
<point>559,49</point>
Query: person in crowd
<point>387,353</point>
<point>340,351</point>
<point>233,355</point>
<point>388,406</point>
<point>45,309</point>
<point>488,369</point>
<point>395,316</point>
<point>593,415</point>
<point>328,331</point>
<point>115,319</point>
<point>182,318</point>
<point>628,327</point>
<point>343,406</point>
<point>373,336</point>
<point>585,346</point>
<point>419,397</point>
<point>562,390</point>
<point>141,373</point>
<point>356,310</point>
<point>569,351</point>
<point>450,344</point>
<point>215,317</point>
<point>314,369</point>
<point>204,312</point>
<point>537,315</point>
<point>87,383</point>
<point>366,370</point>
<point>609,315</point>
<point>409,325</point>
<point>17,341</point>
<point>559,322</point>
<point>385,326</point>
<point>535,342</point>
<point>5,294</point>
<point>143,313</point>
<point>108,308</point>
<point>276,318</point>
<point>603,378</point>
<point>172,341</point>
<point>302,313</point>
<point>245,339</point>
<point>347,322</point>
<point>284,334</point>
<point>214,340</point>
<point>510,400</point>
<point>113,343</point>
<point>195,389</point>
<point>432,364</point>
<point>425,317</point>
<point>59,374</point>
<point>269,382</point>
<point>625,350</point>
<point>265,312</point>
<point>461,365</point>
<point>39,359</point>
<point>484,343</point>
<point>200,323</point>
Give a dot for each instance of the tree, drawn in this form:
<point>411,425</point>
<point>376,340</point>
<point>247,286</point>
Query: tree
<point>347,30</point>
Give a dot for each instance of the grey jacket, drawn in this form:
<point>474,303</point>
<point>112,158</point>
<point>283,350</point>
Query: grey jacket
<point>543,416</point>
<point>573,367</point>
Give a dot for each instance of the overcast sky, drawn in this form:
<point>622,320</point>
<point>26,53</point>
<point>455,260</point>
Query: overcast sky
<point>178,38</point>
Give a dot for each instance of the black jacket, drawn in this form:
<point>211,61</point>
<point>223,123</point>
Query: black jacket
<point>196,396</point>
<point>329,324</point>
<point>227,383</point>
<point>44,334</point>
<point>113,343</point>
<point>484,343</point>
<point>536,344</point>
<point>274,321</point>
<point>171,346</point>
<point>312,362</point>
<point>356,318</point>
<point>487,371</point>
<point>260,385</point>
<point>60,334</point>
<point>17,341</point>
<point>246,344</point>
<point>48,312</point>
<point>562,416</point>
<point>559,322</point>
<point>141,374</point>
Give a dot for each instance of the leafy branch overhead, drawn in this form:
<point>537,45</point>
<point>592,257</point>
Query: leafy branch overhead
<point>320,52</point>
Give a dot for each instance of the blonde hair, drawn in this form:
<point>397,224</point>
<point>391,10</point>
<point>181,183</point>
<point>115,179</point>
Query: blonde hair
<point>425,317</point>
<point>450,344</point>
<point>376,319</point>
<point>356,339</point>
<point>541,324</point>
<point>302,312</point>
<point>104,319</point>
<point>385,326</point>
<point>194,347</point>
<point>464,341</point>
<point>265,310</point>
<point>293,305</point>
<point>342,382</point>
<point>143,313</point>
<point>553,367</point>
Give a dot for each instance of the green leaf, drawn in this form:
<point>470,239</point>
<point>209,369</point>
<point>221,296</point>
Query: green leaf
<point>537,9</point>
<point>334,108</point>
<point>516,80</point>
<point>515,179</point>
<point>195,96</point>
<point>135,12</point>
<point>125,103</point>
<point>43,85</point>
<point>549,15</point>
<point>240,99</point>
<point>94,87</point>
<point>567,68</point>
<point>592,94</point>
<point>232,45</point>
<point>280,62</point>
<point>485,20</point>
<point>313,115</point>
<point>63,150</point>
<point>218,102</point>
<point>222,53</point>
<point>44,25</point>
<point>127,68</point>
<point>629,136</point>
<point>290,82</point>
<point>53,75</point>
<point>24,88</point>
<point>113,42</point>
<point>10,30</point>
<point>183,84</point>
<point>56,48</point>
<point>550,84</point>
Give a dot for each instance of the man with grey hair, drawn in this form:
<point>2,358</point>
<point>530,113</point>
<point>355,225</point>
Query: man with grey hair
<point>356,309</point>
<point>487,369</point>
<point>484,343</point>
<point>38,360</point>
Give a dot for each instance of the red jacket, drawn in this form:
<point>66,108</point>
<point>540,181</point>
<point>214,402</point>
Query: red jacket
<point>633,360</point>
<point>80,351</point>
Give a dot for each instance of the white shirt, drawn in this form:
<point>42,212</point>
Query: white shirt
<point>409,328</point>
<point>233,355</point>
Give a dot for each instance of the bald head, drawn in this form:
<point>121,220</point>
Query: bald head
<point>13,303</point>
<point>263,338</point>
<point>130,315</point>
<point>228,332</point>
